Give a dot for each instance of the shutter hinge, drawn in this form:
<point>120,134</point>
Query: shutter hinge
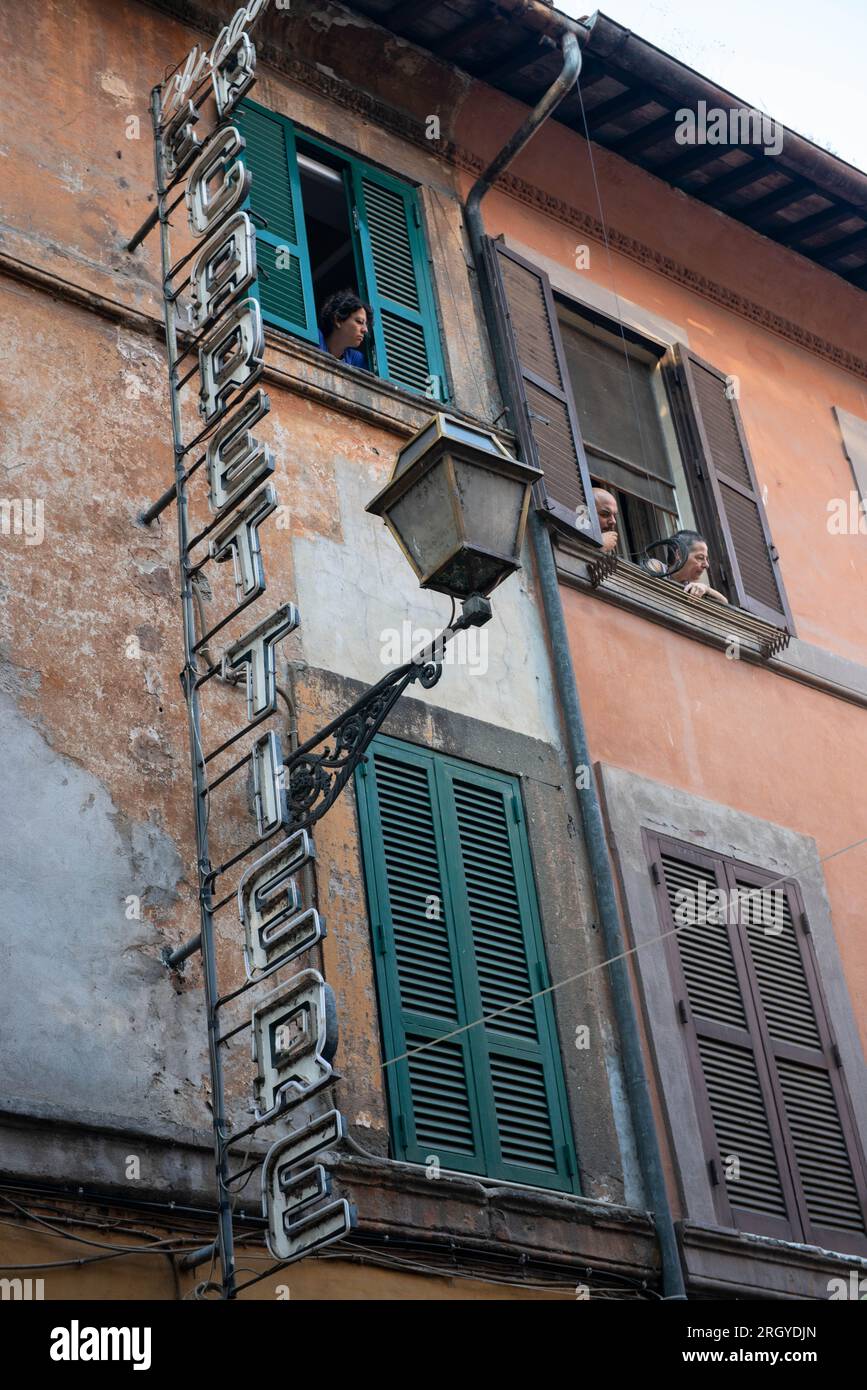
<point>835,1053</point>
<point>681,1011</point>
<point>541,976</point>
<point>569,1162</point>
<point>723,573</point>
<point>416,215</point>
<point>401,1129</point>
<point>775,554</point>
<point>654,872</point>
<point>356,220</point>
<point>517,809</point>
<point>714,1174</point>
<point>805,925</point>
<point>362,767</point>
<point>699,471</point>
<point>379,937</point>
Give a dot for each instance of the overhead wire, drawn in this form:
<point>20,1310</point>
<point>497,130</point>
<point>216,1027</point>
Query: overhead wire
<point>611,960</point>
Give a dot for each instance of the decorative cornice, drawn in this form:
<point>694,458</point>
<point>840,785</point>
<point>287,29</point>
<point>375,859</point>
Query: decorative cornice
<point>401,124</point>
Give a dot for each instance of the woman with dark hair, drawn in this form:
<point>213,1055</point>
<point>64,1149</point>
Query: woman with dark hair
<point>344,323</point>
<point>690,550</point>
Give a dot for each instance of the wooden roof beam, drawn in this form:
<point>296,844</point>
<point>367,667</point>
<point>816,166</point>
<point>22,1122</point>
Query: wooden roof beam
<point>631,100</point>
<point>466,33</point>
<point>835,249</point>
<point>521,57</point>
<point>819,222</point>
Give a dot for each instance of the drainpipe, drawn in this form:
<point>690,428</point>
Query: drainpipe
<point>637,1087</point>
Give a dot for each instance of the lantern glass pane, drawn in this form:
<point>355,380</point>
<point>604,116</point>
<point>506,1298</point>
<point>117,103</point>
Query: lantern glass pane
<point>492,507</point>
<point>424,519</point>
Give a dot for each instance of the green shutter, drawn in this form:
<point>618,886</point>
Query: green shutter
<point>457,938</point>
<point>286,291</point>
<point>405,329</point>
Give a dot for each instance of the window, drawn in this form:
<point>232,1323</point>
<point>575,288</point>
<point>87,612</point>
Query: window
<point>616,380</point>
<point>456,938</point>
<point>326,221</point>
<point>623,446</point>
<point>776,1125</point>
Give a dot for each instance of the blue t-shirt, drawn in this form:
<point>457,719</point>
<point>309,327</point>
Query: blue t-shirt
<point>351,356</point>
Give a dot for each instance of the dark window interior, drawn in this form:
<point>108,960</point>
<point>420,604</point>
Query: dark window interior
<point>621,429</point>
<point>327,219</point>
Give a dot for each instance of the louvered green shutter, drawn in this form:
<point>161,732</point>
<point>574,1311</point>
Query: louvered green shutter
<point>457,938</point>
<point>285,290</point>
<point>405,330</point>
<point>768,1093</point>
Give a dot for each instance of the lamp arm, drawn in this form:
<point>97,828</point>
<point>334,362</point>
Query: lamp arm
<point>315,780</point>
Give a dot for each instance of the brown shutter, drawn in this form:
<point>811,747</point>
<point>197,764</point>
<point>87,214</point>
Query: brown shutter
<point>532,358</point>
<point>765,1070</point>
<point>726,493</point>
<point>825,1157</point>
<point>733,1092</point>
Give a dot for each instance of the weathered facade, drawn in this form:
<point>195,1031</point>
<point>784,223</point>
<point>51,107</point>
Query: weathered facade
<point>716,733</point>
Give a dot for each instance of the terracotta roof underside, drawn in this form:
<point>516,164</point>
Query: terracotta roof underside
<point>804,197</point>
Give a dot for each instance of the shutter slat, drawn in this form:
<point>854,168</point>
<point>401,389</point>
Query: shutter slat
<point>405,328</point>
<point>522,1112</point>
<point>486,1100</point>
<point>823,1160</point>
<point>546,419</point>
<point>712,429</point>
<point>285,292</point>
<point>492,897</point>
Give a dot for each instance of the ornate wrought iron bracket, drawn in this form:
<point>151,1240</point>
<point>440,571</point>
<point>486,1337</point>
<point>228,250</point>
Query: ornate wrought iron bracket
<point>315,780</point>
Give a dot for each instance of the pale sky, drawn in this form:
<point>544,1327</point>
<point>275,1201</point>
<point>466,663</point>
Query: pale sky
<point>802,62</point>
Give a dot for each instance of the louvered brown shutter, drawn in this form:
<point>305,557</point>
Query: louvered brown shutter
<point>743,1142</point>
<point>827,1167</point>
<point>764,1067</point>
<point>538,384</point>
<point>725,491</point>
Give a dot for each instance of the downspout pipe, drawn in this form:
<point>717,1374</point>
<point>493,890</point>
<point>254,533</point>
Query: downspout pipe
<point>637,1087</point>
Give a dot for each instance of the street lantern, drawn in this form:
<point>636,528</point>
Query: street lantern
<point>457,505</point>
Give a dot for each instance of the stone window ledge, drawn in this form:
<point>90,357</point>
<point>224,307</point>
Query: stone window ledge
<point>398,1201</point>
<point>306,369</point>
<point>582,565</point>
<point>730,1263</point>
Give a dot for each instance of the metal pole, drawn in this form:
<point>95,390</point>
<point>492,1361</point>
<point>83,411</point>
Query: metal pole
<point>147,226</point>
<point>188,679</point>
<point>160,505</point>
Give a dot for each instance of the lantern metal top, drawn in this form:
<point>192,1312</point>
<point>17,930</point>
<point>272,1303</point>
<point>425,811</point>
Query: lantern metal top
<point>447,434</point>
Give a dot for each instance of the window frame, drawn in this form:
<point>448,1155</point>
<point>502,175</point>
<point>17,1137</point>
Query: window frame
<point>487,1159</point>
<point>354,169</point>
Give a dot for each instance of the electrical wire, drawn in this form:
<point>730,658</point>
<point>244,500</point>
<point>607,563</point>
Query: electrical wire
<point>622,955</point>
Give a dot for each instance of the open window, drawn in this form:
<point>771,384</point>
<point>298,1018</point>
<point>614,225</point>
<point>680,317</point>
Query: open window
<point>594,403</point>
<point>623,412</point>
<point>327,221</point>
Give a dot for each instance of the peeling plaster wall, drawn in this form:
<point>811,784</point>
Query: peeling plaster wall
<point>93,729</point>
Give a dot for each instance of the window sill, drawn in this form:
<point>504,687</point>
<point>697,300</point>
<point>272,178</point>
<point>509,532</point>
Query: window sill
<point>399,1202</point>
<point>306,369</point>
<point>725,1263</point>
<point>582,565</point>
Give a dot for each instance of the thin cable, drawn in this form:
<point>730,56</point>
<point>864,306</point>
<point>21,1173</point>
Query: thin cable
<point>623,955</point>
<point>607,245</point>
<point>155,1246</point>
